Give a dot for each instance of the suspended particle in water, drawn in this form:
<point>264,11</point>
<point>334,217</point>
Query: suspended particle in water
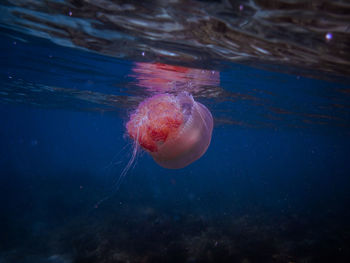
<point>329,36</point>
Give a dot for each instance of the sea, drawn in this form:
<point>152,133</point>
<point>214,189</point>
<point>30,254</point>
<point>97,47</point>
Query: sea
<point>274,183</point>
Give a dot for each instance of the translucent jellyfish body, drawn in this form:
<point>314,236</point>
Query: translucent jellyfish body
<point>174,130</point>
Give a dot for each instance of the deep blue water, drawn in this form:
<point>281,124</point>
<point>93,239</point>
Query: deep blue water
<point>272,187</point>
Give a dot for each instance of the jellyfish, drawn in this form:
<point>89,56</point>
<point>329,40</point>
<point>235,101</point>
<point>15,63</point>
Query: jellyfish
<point>174,129</point>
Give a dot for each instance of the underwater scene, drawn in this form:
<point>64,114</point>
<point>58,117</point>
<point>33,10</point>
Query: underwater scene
<point>174,131</point>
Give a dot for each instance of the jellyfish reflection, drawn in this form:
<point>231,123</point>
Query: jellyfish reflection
<point>161,78</point>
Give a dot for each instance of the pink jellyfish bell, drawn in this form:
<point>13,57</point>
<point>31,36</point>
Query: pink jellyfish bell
<point>175,130</point>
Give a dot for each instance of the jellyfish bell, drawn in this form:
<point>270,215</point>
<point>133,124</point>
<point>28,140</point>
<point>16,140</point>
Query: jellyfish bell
<point>174,129</point>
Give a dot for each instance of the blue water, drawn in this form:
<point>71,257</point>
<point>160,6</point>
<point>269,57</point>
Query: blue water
<point>272,187</point>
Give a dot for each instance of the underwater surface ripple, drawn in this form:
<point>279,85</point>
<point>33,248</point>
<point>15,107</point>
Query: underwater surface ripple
<point>272,34</point>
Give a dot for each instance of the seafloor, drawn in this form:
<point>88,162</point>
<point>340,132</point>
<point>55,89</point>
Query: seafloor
<point>127,228</point>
